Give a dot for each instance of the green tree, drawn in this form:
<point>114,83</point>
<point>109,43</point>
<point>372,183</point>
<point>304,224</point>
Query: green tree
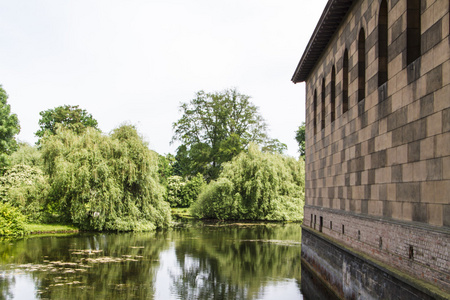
<point>255,186</point>
<point>104,182</point>
<point>192,189</point>
<point>165,167</point>
<point>12,222</point>
<point>71,117</point>
<point>26,155</point>
<point>182,193</point>
<point>214,128</point>
<point>9,127</point>
<point>175,186</point>
<point>25,187</point>
<point>300,136</point>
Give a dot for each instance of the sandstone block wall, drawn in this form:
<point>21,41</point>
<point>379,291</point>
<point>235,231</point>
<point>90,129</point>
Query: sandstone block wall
<point>388,156</point>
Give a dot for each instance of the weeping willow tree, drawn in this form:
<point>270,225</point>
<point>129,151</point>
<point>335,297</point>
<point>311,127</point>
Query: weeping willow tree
<point>104,182</point>
<point>255,186</point>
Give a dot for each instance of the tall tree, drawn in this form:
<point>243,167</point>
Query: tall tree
<point>214,128</point>
<point>9,127</point>
<point>255,186</point>
<point>71,117</point>
<point>300,136</point>
<point>104,182</point>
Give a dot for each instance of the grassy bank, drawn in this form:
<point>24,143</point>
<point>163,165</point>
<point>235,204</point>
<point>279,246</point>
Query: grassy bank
<point>49,228</point>
<point>181,214</point>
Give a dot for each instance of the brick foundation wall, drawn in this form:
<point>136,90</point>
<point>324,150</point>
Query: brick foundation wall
<point>352,276</point>
<point>416,249</point>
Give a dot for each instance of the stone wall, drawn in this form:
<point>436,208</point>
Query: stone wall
<point>352,276</point>
<point>416,250</point>
<point>388,156</point>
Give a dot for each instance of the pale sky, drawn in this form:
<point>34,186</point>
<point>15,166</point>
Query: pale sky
<point>135,61</point>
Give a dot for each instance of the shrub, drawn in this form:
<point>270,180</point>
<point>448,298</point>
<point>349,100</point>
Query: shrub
<point>255,186</point>
<point>175,185</point>
<point>182,193</point>
<point>25,188</point>
<point>191,190</point>
<point>105,182</point>
<point>12,222</point>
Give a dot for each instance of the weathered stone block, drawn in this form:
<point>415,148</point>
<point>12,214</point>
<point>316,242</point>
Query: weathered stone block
<point>443,144</point>
<point>434,124</point>
<point>420,212</point>
<point>427,105</point>
<point>434,79</point>
<point>446,212</point>
<point>397,173</point>
<point>427,148</point>
<point>434,214</point>
<point>414,151</point>
<point>446,167</point>
<point>434,169</point>
<point>432,36</point>
<point>408,192</point>
<point>407,172</point>
<point>446,120</point>
<point>429,192</point>
<point>402,154</point>
<point>407,211</point>
<point>419,170</point>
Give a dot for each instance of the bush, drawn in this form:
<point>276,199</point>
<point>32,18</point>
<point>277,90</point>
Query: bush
<point>182,193</point>
<point>175,185</point>
<point>25,188</point>
<point>12,222</point>
<point>191,190</point>
<point>255,186</point>
<point>104,182</point>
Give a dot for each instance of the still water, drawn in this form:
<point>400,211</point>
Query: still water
<point>194,261</point>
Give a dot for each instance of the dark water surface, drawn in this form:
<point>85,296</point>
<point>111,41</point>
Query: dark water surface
<point>196,261</point>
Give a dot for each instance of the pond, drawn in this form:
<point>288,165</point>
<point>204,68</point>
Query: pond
<point>194,261</point>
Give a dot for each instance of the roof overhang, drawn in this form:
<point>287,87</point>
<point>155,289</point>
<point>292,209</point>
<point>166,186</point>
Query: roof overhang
<point>329,22</point>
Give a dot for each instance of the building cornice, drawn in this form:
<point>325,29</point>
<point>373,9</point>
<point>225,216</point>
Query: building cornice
<point>329,22</point>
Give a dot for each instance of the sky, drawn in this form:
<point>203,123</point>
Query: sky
<point>136,61</point>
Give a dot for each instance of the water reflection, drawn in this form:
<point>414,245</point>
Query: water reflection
<point>235,262</point>
<point>215,261</point>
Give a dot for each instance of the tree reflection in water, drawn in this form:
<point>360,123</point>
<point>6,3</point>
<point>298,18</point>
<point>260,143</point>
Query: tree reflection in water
<point>236,262</point>
<point>207,262</point>
<point>115,266</point>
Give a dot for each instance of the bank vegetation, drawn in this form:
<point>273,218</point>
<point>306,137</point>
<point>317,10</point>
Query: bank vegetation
<point>86,179</point>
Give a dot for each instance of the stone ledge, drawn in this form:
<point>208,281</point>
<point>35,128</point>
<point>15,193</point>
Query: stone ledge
<point>418,225</point>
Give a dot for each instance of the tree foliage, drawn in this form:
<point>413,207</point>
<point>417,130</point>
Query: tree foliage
<point>12,222</point>
<point>70,117</point>
<point>165,167</point>
<point>175,185</point>
<point>9,127</point>
<point>300,137</point>
<point>26,155</point>
<point>255,186</point>
<point>104,182</point>
<point>214,128</point>
<point>25,187</point>
<point>181,193</point>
